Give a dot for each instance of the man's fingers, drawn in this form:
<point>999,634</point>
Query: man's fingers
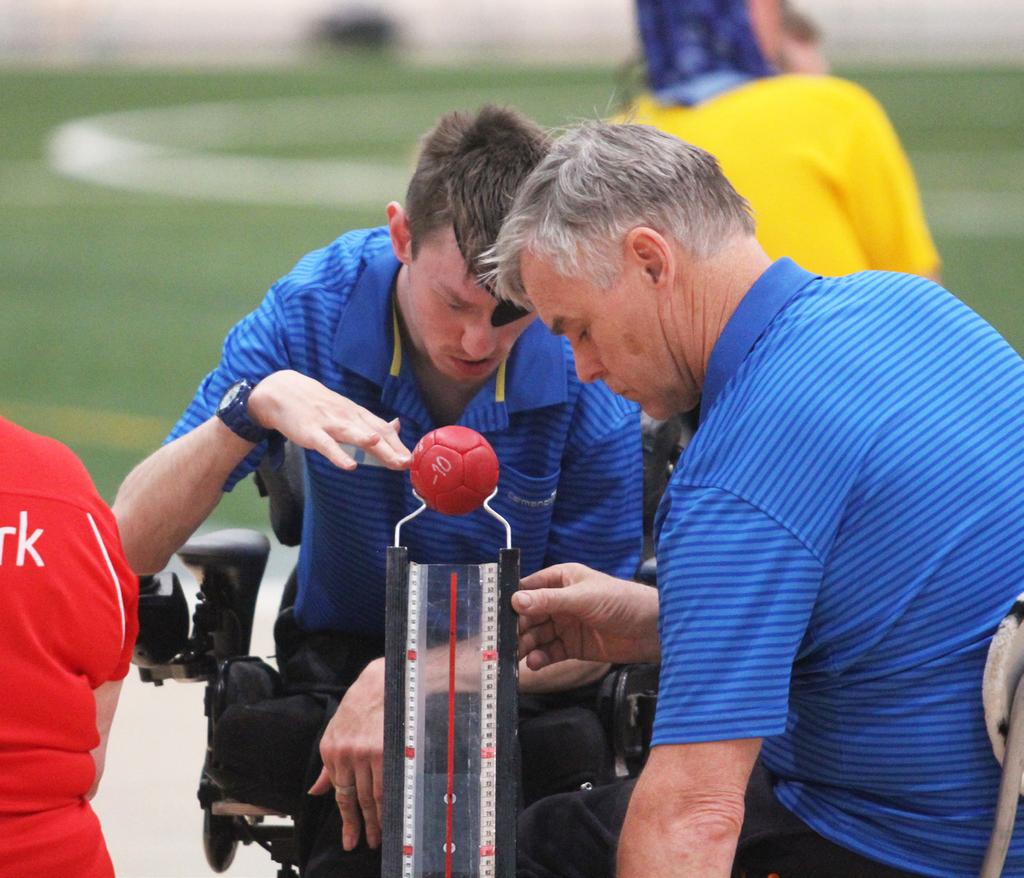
<point>525,604</point>
<point>557,576</point>
<point>542,645</point>
<point>328,447</point>
<point>536,660</point>
<point>537,635</point>
<point>368,803</point>
<point>348,805</point>
<point>322,784</point>
<point>378,787</point>
<point>391,437</point>
<point>549,577</point>
<point>549,602</point>
<point>551,653</point>
<point>380,441</point>
<point>346,795</point>
<point>392,457</point>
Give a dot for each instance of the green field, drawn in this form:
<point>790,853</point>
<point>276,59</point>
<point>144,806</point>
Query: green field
<point>115,301</point>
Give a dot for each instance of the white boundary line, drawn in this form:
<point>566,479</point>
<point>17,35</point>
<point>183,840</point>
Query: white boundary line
<point>197,151</point>
<point>182,150</point>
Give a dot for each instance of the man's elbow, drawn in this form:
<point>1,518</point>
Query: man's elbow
<point>146,565</point>
<point>714,820</point>
<point>716,824</point>
<point>143,558</point>
<point>698,838</point>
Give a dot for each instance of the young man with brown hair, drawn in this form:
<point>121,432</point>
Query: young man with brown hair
<point>362,348</point>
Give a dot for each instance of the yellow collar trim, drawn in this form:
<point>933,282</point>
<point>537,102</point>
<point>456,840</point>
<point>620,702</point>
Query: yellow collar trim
<point>499,382</point>
<point>396,357</point>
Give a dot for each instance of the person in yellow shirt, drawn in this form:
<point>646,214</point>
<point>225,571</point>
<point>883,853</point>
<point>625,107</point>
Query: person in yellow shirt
<point>816,156</point>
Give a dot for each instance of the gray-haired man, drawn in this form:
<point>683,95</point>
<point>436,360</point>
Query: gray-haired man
<point>829,573</point>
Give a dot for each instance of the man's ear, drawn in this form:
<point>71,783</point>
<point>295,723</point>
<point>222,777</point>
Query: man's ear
<point>648,251</point>
<point>401,235</point>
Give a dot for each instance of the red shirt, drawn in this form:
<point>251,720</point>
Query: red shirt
<point>68,621</point>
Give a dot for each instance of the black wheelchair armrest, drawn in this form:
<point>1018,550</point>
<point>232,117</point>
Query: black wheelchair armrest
<point>625,704</point>
<point>235,548</point>
<point>647,572</point>
<point>228,565</point>
<point>163,620</point>
<point>284,488</point>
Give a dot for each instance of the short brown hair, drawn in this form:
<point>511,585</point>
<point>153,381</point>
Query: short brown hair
<point>469,170</point>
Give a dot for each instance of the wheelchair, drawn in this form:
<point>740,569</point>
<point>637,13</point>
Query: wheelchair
<point>249,791</point>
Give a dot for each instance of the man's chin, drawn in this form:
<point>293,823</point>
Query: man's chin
<point>663,411</point>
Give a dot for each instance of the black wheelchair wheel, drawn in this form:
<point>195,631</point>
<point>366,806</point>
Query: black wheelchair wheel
<point>220,840</point>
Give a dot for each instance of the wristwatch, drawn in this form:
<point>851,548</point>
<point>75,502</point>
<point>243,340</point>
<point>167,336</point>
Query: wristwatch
<point>234,412</point>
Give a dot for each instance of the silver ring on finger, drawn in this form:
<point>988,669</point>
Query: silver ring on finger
<point>345,791</point>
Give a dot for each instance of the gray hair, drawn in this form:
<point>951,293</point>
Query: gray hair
<point>599,181</point>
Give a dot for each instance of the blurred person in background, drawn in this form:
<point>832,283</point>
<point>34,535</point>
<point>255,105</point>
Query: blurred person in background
<point>67,627</point>
<point>816,156</point>
<point>800,44</point>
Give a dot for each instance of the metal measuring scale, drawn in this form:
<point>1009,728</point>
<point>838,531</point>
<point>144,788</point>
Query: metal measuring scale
<point>451,760</point>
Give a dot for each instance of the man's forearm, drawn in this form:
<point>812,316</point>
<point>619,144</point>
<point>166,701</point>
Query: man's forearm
<point>167,496</point>
<point>686,813</point>
<point>561,676</point>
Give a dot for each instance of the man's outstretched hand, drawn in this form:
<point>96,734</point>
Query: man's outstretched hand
<point>570,611</point>
<point>315,417</point>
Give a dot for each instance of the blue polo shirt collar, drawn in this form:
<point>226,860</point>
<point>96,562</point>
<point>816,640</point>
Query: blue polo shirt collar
<point>769,295</point>
<point>368,352</point>
<point>534,375</point>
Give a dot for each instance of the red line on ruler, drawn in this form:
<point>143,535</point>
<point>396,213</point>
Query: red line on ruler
<point>453,594</point>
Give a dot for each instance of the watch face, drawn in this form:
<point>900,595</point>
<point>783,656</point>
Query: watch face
<point>231,394</point>
<point>232,411</point>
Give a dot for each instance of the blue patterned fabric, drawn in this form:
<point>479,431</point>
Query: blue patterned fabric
<point>835,550</point>
<point>571,481</point>
<point>695,49</point>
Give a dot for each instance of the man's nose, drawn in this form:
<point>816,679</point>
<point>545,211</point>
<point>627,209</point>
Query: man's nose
<point>478,339</point>
<point>589,367</point>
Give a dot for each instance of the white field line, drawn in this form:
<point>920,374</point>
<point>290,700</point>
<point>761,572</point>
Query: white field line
<point>86,152</point>
<point>173,151</point>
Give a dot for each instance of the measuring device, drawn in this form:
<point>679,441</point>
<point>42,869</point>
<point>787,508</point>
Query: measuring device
<point>451,760</point>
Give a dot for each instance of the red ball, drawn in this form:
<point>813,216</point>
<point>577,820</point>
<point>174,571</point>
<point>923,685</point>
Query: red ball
<point>454,469</point>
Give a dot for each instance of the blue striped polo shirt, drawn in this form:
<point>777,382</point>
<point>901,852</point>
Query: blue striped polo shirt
<point>836,549</point>
<point>570,457</point>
